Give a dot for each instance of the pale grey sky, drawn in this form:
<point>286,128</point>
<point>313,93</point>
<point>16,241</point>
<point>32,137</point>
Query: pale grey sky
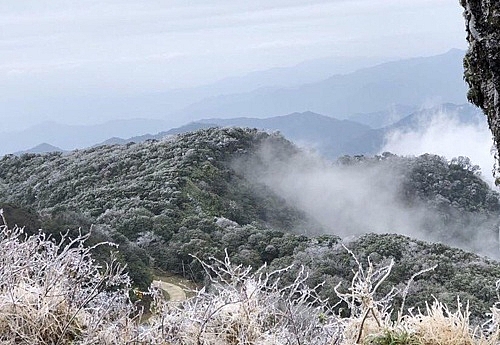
<point>53,48</point>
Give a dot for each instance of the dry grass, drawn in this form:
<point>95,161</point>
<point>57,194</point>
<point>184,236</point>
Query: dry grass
<point>55,293</point>
<point>245,307</point>
<point>436,326</point>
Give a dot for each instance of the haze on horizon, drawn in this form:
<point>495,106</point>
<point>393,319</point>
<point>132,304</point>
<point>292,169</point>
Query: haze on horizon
<point>56,57</point>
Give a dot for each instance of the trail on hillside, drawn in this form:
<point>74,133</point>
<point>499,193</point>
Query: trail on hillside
<point>175,292</point>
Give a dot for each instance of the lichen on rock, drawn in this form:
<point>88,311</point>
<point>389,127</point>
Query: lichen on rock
<point>482,61</point>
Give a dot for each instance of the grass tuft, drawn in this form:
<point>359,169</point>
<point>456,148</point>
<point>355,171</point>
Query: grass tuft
<point>54,293</point>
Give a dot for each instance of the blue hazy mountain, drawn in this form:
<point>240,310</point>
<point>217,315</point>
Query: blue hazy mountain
<point>190,127</point>
<point>330,137</point>
<point>161,101</point>
<point>307,129</point>
<point>69,137</point>
<point>375,96</point>
<point>412,82</point>
<point>333,138</point>
<point>385,117</point>
<point>42,148</point>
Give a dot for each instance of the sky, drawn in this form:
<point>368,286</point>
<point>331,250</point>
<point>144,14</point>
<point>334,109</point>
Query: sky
<point>62,49</point>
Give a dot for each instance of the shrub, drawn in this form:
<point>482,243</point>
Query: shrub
<point>55,293</point>
<point>245,307</point>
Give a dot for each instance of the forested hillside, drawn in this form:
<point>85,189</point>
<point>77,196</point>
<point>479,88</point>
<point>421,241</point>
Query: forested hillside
<point>450,201</point>
<point>163,196</point>
<point>198,194</point>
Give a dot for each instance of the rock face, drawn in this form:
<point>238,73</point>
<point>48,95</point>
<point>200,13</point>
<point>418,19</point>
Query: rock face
<point>482,61</point>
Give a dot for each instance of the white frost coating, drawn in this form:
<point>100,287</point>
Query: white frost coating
<point>225,223</point>
<point>472,24</point>
<point>496,97</point>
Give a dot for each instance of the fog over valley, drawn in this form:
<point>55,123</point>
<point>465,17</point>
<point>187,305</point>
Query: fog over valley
<point>383,194</point>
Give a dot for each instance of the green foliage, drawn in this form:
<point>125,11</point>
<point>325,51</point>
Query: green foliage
<point>22,217</point>
<point>458,273</point>
<point>163,201</point>
<point>432,178</point>
<point>393,337</point>
<point>159,200</point>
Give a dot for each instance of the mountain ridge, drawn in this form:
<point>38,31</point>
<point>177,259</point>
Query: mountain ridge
<point>42,148</point>
<point>328,136</point>
<point>409,82</point>
<point>340,96</point>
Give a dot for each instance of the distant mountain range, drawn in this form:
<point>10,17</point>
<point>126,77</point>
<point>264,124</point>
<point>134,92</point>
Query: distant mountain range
<point>333,138</point>
<point>328,136</point>
<point>90,107</point>
<point>413,82</point>
<point>70,137</point>
<point>373,97</point>
<point>190,127</point>
<point>306,129</point>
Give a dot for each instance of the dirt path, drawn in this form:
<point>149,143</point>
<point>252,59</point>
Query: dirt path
<point>175,292</point>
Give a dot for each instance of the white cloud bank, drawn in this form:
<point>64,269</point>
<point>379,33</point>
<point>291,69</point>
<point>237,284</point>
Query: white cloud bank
<point>350,200</point>
<point>446,136</point>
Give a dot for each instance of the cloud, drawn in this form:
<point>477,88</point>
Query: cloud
<point>346,200</point>
<point>447,136</point>
<point>354,199</point>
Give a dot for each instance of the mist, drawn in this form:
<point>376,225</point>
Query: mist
<point>445,135</point>
<point>343,199</point>
<point>349,200</point>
